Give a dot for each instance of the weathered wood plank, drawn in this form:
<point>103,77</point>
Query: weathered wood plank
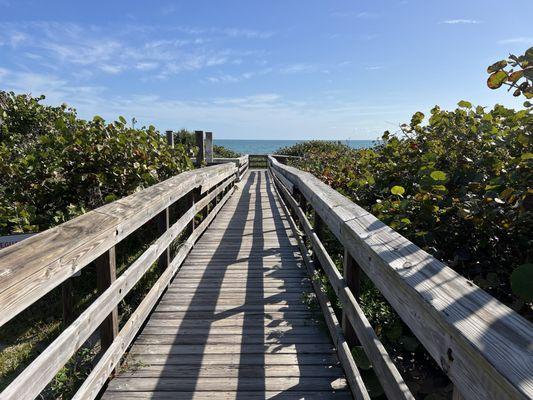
<point>224,384</point>
<point>33,267</point>
<point>232,395</point>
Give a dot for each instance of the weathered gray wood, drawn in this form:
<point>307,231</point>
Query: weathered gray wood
<point>67,301</point>
<point>162,225</point>
<point>48,363</point>
<point>387,373</point>
<point>33,267</point>
<point>221,395</point>
<point>99,374</point>
<point>209,148</point>
<point>353,375</point>
<point>352,276</point>
<point>200,156</point>
<point>250,319</point>
<point>482,345</point>
<point>106,274</point>
<point>135,384</point>
<point>170,138</point>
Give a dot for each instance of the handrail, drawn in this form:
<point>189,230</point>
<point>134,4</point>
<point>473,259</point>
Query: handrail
<point>241,162</point>
<point>32,268</point>
<point>482,345</point>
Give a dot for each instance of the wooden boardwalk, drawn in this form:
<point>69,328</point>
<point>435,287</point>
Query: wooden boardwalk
<point>234,323</point>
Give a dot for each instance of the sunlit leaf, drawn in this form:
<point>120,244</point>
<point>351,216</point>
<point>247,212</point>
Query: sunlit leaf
<point>438,175</point>
<point>496,79</point>
<point>397,190</point>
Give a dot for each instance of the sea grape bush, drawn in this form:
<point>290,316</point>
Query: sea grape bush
<point>459,186</point>
<point>188,140</point>
<point>516,72</point>
<point>54,165</point>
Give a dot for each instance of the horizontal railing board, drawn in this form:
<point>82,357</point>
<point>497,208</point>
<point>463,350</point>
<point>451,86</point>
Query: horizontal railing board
<point>483,346</point>
<point>33,267</point>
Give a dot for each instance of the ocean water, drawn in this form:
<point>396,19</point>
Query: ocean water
<point>270,146</point>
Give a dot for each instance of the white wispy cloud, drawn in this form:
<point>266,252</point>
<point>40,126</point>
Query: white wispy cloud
<point>521,39</point>
<point>374,67</point>
<point>263,114</point>
<point>461,21</point>
<point>113,51</point>
<point>355,14</point>
<point>298,68</point>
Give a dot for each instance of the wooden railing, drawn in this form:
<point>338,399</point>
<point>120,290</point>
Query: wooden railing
<point>32,268</point>
<point>242,163</point>
<point>484,347</point>
<point>258,160</point>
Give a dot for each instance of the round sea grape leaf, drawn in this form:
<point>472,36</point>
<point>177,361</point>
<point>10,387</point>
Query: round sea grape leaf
<point>522,281</point>
<point>397,190</point>
<point>438,175</point>
<point>496,79</point>
<point>497,66</point>
<point>464,104</point>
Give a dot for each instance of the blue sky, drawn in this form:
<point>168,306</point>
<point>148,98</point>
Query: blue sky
<point>261,69</point>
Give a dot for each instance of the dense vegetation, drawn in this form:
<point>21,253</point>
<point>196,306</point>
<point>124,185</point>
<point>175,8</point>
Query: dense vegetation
<point>516,72</point>
<point>460,187</point>
<point>188,140</point>
<point>54,165</point>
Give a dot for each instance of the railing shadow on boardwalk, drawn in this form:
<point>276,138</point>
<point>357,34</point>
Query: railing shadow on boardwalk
<point>192,319</point>
<point>255,343</point>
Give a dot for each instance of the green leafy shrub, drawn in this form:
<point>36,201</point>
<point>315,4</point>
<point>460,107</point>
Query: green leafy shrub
<point>516,72</point>
<point>224,152</point>
<point>54,165</point>
<point>188,140</point>
<point>460,187</point>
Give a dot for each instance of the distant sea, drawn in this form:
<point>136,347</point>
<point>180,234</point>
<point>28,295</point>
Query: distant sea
<point>270,146</point>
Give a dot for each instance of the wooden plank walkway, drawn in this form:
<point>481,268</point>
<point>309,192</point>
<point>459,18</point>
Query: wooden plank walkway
<point>233,323</point>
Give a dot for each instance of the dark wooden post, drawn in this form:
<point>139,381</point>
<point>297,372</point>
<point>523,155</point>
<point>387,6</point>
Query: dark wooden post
<point>352,276</point>
<point>192,198</point>
<point>67,300</point>
<point>163,223</point>
<point>318,228</point>
<point>170,138</point>
<point>209,148</point>
<point>200,145</point>
<point>106,274</point>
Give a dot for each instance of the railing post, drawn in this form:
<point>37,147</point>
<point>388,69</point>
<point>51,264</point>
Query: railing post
<point>456,395</point>
<point>163,223</point>
<point>106,274</point>
<point>200,145</point>
<point>67,301</point>
<point>319,230</point>
<point>170,138</point>
<point>209,148</point>
<point>352,276</point>
<point>192,198</point>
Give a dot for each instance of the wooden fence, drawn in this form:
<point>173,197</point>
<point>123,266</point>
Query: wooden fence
<point>32,268</point>
<point>484,347</point>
